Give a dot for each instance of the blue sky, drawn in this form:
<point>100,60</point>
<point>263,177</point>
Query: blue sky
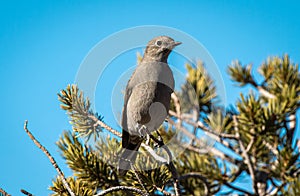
<point>42,44</point>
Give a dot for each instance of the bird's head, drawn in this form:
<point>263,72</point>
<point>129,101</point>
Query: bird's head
<point>159,48</point>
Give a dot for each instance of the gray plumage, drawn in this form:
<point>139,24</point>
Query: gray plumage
<point>147,98</point>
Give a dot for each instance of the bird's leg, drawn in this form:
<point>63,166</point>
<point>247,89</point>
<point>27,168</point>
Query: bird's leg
<point>142,130</point>
<point>159,141</point>
<point>159,136</point>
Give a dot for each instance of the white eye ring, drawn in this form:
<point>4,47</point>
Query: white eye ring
<point>158,43</point>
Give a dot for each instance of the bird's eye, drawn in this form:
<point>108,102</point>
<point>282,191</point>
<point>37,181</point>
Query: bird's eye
<point>158,43</point>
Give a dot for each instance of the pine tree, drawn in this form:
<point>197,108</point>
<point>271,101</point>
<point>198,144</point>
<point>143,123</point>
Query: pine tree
<point>216,147</point>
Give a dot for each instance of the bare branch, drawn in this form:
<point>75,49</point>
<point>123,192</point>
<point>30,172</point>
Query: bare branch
<point>209,133</point>
<point>50,157</point>
<point>265,93</point>
<point>214,151</point>
<point>250,144</point>
<point>245,155</point>
<point>122,188</point>
<point>200,125</point>
<point>105,126</point>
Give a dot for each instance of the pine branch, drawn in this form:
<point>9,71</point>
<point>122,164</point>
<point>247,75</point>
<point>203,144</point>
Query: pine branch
<point>50,157</point>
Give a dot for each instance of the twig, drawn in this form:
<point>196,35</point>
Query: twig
<point>265,93</point>
<point>246,156</point>
<point>250,144</point>
<point>53,162</point>
<point>214,152</point>
<point>4,192</point>
<point>209,133</point>
<point>26,192</point>
<point>199,176</point>
<point>105,126</point>
<point>121,188</point>
<point>200,125</point>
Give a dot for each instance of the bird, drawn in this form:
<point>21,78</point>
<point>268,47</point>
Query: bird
<point>147,98</point>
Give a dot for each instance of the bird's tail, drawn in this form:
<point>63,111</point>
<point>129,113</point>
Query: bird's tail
<point>128,157</point>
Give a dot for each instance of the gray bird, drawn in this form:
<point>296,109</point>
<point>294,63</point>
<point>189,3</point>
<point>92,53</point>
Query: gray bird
<point>147,98</point>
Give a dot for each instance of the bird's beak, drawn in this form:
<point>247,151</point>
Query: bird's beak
<point>173,45</point>
<point>176,43</point>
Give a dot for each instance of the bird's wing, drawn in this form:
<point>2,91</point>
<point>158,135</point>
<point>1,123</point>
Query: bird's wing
<point>128,91</point>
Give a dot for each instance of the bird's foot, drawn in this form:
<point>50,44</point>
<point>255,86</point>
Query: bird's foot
<point>142,130</point>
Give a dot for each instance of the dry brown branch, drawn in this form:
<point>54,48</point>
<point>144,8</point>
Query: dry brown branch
<point>50,157</point>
